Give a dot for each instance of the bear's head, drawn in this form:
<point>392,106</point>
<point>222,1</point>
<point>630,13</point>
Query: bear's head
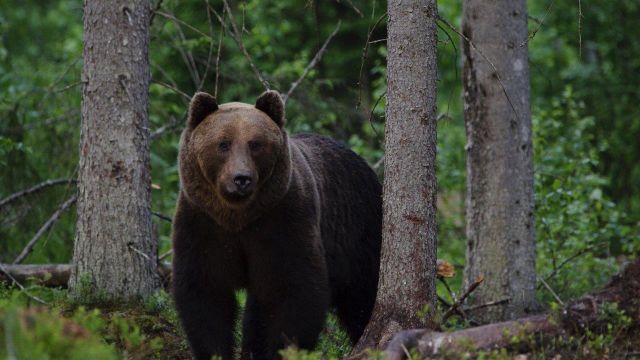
<point>234,158</point>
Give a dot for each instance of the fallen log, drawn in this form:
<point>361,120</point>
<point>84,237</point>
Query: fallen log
<point>52,275</point>
<point>57,275</point>
<point>575,316</point>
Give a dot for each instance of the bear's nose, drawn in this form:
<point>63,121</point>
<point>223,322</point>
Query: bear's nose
<point>242,181</point>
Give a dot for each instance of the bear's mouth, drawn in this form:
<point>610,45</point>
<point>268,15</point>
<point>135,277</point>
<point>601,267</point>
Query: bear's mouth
<point>237,197</point>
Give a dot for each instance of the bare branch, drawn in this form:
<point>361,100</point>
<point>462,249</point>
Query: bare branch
<point>540,23</point>
<point>487,304</point>
<point>311,64</point>
<point>237,36</point>
<point>165,255</point>
<point>462,298</point>
<point>553,293</point>
<point>222,31</point>
<point>34,189</point>
<point>171,87</point>
<point>162,216</point>
<point>365,52</point>
<point>170,127</point>
<point>20,286</point>
<point>44,228</point>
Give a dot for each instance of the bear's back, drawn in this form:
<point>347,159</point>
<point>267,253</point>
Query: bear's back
<point>351,211</point>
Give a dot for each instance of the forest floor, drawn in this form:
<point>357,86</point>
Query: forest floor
<point>61,329</point>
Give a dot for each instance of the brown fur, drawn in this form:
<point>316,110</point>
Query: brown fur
<point>304,236</point>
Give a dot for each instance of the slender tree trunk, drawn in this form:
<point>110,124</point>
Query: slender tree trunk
<point>500,204</point>
<point>406,290</point>
<point>114,249</point>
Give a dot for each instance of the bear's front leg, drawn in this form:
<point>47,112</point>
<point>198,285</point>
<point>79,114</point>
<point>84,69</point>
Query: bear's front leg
<point>203,284</point>
<point>288,298</point>
<point>207,316</point>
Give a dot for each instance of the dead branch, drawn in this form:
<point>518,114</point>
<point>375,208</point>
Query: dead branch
<point>365,52</point>
<point>6,273</point>
<point>162,216</point>
<point>487,304</point>
<point>55,275</point>
<point>237,36</point>
<point>222,30</point>
<point>311,64</point>
<point>171,87</point>
<point>462,298</point>
<point>44,228</point>
<point>52,275</point>
<point>577,315</point>
<point>35,189</point>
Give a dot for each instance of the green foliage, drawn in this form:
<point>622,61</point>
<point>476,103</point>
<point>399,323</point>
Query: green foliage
<point>579,229</point>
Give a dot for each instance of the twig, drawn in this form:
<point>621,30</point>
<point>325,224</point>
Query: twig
<point>504,89</point>
<point>34,189</point>
<point>378,163</point>
<point>46,226</point>
<point>555,296</point>
<point>540,23</point>
<point>487,304</point>
<point>171,87</point>
<point>365,52</point>
<point>138,251</point>
<point>311,64</point>
<point>21,287</point>
<point>67,87</point>
<point>154,11</point>
<point>464,296</point>
<point>165,255</point>
<point>222,30</point>
<point>373,109</point>
<point>206,69</point>
<point>237,36</point>
<point>171,126</point>
<point>580,29</point>
<point>354,8</point>
<point>162,216</point>
<point>446,286</point>
<point>175,19</point>
<point>569,259</point>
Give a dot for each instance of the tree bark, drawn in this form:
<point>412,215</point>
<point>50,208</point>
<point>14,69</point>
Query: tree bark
<point>500,203</point>
<point>114,247</point>
<point>406,290</point>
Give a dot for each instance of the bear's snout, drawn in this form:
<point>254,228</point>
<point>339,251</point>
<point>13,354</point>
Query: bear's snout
<point>243,182</point>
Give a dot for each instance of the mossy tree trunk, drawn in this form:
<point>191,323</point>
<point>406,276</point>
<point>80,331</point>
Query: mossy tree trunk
<point>114,248</point>
<point>406,289</point>
<point>500,203</point>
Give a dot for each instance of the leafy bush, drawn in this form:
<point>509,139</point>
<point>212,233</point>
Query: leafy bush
<point>580,231</point>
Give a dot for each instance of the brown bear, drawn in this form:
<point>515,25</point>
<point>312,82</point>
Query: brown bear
<point>296,221</point>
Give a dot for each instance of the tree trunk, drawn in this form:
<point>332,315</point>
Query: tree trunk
<point>500,204</point>
<point>406,290</point>
<point>114,249</point>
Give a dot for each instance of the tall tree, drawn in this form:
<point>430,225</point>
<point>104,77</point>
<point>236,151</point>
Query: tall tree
<point>114,246</point>
<point>500,204</point>
<point>406,289</point>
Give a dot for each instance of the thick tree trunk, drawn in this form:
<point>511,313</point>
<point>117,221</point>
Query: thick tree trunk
<point>114,247</point>
<point>406,290</point>
<point>500,204</point>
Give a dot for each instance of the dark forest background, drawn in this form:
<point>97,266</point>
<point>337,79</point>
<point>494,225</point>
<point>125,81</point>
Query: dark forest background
<point>584,63</point>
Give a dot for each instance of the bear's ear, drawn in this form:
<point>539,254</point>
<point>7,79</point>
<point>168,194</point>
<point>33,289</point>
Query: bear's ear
<point>271,104</point>
<point>202,104</point>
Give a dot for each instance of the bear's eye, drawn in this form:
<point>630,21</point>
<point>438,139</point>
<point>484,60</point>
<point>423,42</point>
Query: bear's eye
<point>224,146</point>
<point>255,146</point>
